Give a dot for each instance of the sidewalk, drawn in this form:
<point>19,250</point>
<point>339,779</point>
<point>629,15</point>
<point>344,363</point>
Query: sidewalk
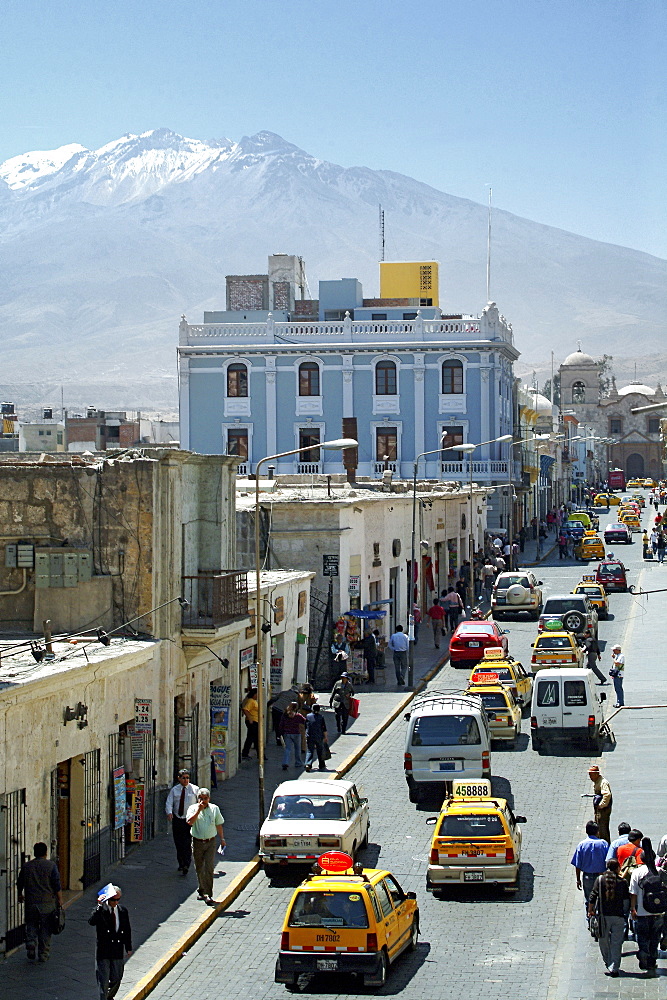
<point>162,904</point>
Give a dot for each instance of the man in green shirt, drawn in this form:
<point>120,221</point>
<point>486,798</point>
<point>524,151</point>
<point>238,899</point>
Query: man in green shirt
<point>205,819</point>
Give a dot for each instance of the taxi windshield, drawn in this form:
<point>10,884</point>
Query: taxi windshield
<point>494,699</point>
<point>472,826</point>
<point>328,909</point>
<point>446,731</point>
<point>553,642</point>
<point>307,807</point>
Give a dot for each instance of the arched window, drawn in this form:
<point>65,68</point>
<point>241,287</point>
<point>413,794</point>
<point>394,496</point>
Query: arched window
<point>385,378</point>
<point>309,379</point>
<point>578,392</point>
<point>237,380</point>
<point>452,377</point>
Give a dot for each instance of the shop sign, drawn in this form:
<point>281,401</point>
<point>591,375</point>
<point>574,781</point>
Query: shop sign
<point>330,564</point>
<point>354,586</point>
<point>143,715</point>
<point>119,798</point>
<point>137,825</point>
<point>220,696</point>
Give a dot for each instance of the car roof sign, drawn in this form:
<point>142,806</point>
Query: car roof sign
<point>479,788</point>
<point>485,678</point>
<point>588,578</point>
<point>335,861</point>
<point>494,653</point>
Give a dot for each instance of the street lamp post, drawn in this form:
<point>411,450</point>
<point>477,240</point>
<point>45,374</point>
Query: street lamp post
<point>339,444</point>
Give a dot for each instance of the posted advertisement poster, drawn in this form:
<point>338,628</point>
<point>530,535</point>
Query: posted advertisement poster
<point>219,736</point>
<point>138,805</point>
<point>221,695</point>
<point>119,797</point>
<point>220,760</point>
<point>143,715</point>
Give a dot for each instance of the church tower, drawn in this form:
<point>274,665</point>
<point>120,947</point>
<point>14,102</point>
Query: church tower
<point>579,384</point>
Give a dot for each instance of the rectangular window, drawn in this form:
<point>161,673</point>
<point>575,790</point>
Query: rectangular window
<point>547,694</point>
<point>309,436</point>
<point>386,444</point>
<point>450,437</point>
<point>411,315</point>
<point>384,899</point>
<point>237,443</point>
<point>615,425</point>
<point>446,731</point>
<point>574,693</point>
<point>654,425</point>
<point>378,315</point>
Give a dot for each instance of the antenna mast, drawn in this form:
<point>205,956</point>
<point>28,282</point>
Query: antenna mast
<point>488,254</point>
<point>381,230</point>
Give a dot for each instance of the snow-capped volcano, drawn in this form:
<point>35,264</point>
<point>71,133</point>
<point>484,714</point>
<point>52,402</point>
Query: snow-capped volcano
<point>104,249</point>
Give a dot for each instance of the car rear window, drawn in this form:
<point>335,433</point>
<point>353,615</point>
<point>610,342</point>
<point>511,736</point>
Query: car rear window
<point>547,694</point>
<point>493,700</point>
<point>445,731</point>
<point>561,605</point>
<point>307,807</point>
<point>509,579</point>
<point>574,693</point>
<point>329,909</point>
<point>591,591</point>
<point>502,672</point>
<point>471,827</point>
<point>609,569</point>
<point>553,642</point>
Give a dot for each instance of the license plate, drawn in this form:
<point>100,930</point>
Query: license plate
<point>471,854</point>
<point>327,964</point>
<point>472,645</point>
<point>447,765</point>
<point>549,721</point>
<point>473,876</point>
<point>300,843</point>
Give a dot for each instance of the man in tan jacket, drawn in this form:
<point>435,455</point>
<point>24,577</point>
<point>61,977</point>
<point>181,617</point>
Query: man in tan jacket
<point>602,801</point>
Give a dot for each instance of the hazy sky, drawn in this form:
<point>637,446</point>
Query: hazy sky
<point>558,104</point>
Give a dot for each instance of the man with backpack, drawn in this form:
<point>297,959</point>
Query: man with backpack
<point>609,898</point>
<point>648,903</point>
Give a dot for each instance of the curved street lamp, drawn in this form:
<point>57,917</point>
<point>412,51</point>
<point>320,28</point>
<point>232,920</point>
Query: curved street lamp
<point>338,444</point>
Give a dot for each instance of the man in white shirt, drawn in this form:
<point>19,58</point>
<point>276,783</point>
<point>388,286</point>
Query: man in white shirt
<point>648,926</point>
<point>180,798</point>
<point>618,667</point>
<point>399,644</point>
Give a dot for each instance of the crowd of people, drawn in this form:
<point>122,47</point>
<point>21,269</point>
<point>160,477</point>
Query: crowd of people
<point>624,884</point>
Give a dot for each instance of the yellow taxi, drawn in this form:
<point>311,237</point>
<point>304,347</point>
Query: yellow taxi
<point>511,674</point>
<point>633,484</point>
<point>502,711</point>
<point>556,648</point>
<point>477,839</point>
<point>650,484</point>
<point>631,520</point>
<point>595,593</point>
<point>639,499</point>
<point>590,546</point>
<point>352,919</point>
<point>606,500</point>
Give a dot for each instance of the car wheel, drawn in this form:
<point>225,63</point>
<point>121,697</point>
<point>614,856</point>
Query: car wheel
<point>536,744</point>
<point>414,933</point>
<point>381,977</point>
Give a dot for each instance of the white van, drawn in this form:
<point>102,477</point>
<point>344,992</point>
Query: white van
<point>566,706</point>
<point>448,738</point>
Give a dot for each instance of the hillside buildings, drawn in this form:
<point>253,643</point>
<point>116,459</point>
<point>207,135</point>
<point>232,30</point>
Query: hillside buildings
<point>634,444</point>
<point>276,372</point>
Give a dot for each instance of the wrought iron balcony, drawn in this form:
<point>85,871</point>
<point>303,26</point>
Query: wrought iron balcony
<point>215,598</point>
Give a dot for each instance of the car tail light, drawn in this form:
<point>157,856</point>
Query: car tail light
<point>533,722</point>
<point>328,841</point>
<point>434,858</point>
<point>274,841</point>
<point>284,941</point>
<point>371,942</point>
<point>510,722</point>
<point>509,855</point>
<point>486,760</point>
<point>533,658</point>
<point>407,762</point>
<point>591,720</point>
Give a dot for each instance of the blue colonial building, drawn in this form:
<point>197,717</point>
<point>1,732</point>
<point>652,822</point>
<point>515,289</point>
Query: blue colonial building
<point>275,372</point>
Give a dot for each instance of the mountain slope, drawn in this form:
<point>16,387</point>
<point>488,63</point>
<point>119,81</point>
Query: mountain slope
<point>105,249</point>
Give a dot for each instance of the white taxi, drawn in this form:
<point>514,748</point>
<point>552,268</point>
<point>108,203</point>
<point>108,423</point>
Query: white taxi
<point>309,816</point>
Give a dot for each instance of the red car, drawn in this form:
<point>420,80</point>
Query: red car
<point>471,638</point>
<point>611,574</point>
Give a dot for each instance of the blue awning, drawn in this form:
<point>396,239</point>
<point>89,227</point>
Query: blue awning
<point>364,614</point>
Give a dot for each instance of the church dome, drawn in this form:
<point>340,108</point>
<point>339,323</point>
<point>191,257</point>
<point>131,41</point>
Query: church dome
<point>541,404</point>
<point>579,359</point>
<point>643,390</point>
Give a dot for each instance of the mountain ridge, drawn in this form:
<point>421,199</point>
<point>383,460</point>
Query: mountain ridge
<point>107,248</point>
